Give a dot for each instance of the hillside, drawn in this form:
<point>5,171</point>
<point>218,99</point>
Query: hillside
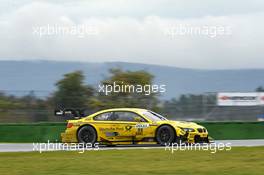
<point>18,77</point>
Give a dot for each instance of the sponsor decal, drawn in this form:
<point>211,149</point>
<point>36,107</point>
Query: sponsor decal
<point>128,127</point>
<point>244,98</point>
<point>111,134</point>
<point>111,129</point>
<point>142,125</point>
<point>240,99</point>
<point>223,97</point>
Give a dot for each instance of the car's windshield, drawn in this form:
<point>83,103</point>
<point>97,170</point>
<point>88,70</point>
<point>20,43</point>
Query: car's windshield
<point>153,116</point>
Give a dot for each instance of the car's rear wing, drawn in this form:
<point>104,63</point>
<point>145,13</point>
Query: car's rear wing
<point>70,113</point>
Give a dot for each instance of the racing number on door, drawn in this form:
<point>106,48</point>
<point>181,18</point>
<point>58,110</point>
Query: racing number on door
<point>139,131</point>
<point>140,127</point>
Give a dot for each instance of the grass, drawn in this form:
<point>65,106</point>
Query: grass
<point>240,160</point>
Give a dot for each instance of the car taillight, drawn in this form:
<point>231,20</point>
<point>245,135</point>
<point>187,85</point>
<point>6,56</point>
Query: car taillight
<point>69,125</point>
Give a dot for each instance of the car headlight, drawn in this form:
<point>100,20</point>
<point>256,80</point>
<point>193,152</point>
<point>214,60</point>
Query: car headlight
<point>188,129</point>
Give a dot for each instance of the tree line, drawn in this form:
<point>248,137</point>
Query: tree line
<point>73,92</point>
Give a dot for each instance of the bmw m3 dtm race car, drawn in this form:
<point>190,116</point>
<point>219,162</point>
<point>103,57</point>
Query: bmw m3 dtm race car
<point>130,126</point>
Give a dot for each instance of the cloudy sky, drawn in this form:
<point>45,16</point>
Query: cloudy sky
<point>195,33</point>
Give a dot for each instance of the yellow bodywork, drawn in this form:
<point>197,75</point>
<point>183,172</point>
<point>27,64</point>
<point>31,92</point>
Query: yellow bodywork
<point>130,132</point>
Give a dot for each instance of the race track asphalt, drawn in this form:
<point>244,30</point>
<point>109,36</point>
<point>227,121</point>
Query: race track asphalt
<point>29,147</point>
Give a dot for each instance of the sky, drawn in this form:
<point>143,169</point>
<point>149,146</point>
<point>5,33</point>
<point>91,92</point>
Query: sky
<point>204,34</point>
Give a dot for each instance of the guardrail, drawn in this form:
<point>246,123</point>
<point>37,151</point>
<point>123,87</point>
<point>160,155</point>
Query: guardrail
<point>42,132</point>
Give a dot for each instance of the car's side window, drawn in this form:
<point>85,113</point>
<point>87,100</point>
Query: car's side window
<point>127,116</point>
<point>104,116</point>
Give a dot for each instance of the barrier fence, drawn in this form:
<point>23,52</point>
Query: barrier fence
<point>37,106</point>
<point>43,132</point>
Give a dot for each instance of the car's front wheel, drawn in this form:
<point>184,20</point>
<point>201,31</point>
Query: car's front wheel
<point>165,135</point>
<point>87,134</point>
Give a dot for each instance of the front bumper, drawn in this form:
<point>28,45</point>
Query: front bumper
<point>182,138</point>
<point>196,137</point>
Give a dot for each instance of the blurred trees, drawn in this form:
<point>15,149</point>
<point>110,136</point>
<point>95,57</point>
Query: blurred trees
<point>260,89</point>
<point>72,92</point>
<point>28,108</point>
<point>9,102</point>
<point>126,90</point>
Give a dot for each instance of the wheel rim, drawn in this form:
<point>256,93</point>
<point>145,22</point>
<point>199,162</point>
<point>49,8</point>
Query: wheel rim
<point>165,135</point>
<point>87,136</point>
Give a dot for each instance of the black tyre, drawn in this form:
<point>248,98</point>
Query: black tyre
<point>165,135</point>
<point>110,145</point>
<point>87,134</point>
<point>207,140</point>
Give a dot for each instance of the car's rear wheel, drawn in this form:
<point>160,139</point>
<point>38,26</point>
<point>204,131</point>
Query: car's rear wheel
<point>165,135</point>
<point>87,134</point>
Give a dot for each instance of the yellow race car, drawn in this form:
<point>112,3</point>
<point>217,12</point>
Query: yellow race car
<point>131,126</point>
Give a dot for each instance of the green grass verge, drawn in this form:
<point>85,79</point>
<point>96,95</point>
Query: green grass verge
<point>238,161</point>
